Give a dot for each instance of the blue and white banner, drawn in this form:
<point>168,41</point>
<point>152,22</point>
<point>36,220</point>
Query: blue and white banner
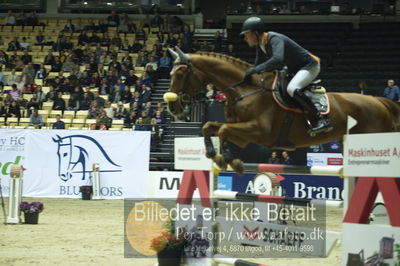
<point>57,162</point>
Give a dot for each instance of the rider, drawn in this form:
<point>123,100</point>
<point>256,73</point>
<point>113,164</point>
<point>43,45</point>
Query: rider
<point>274,51</point>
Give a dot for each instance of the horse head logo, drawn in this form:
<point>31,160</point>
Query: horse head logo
<point>74,156</point>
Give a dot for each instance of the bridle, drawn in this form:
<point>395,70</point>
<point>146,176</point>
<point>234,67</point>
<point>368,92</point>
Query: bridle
<point>242,96</point>
<point>233,87</point>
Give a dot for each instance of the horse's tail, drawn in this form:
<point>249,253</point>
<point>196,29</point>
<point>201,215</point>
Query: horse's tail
<point>394,109</point>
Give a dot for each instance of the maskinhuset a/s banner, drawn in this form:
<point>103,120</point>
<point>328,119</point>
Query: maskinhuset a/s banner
<point>57,162</point>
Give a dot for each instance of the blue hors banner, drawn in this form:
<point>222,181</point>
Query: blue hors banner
<point>57,162</point>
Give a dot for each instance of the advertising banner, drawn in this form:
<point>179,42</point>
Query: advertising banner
<point>365,244</point>
<point>298,186</point>
<point>12,151</point>
<point>58,162</point>
<point>164,184</point>
<point>373,155</point>
<point>190,153</point>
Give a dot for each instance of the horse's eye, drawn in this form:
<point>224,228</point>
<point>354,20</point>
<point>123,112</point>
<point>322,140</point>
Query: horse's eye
<point>65,154</point>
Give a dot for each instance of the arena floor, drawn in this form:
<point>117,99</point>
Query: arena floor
<point>76,232</point>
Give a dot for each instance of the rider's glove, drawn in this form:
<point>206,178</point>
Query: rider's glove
<point>250,71</point>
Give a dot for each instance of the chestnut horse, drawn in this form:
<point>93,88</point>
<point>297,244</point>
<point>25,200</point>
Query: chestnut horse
<point>254,116</point>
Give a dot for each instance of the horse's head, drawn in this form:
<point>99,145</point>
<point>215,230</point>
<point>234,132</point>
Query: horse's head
<point>64,157</point>
<point>184,83</point>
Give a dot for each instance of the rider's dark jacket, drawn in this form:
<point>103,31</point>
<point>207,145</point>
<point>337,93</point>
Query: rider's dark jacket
<point>282,51</point>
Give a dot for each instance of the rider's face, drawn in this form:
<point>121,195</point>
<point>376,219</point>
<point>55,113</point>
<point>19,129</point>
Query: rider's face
<point>251,38</point>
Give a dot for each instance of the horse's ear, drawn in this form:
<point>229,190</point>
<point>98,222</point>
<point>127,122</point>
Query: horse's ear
<point>183,58</point>
<point>173,53</point>
<point>57,140</point>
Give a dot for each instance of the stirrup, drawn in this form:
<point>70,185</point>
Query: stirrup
<point>320,129</point>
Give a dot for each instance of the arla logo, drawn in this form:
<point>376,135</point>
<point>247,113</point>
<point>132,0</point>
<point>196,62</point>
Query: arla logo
<point>74,159</point>
<point>5,167</point>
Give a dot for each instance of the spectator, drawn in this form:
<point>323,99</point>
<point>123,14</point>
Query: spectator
<point>12,78</point>
<point>39,39</point>
<point>84,102</point>
<point>130,121</point>
<point>165,66</point>
<point>156,134</point>
<point>41,96</point>
<point>109,109</point>
<point>59,124</point>
<point>21,19</point>
<point>24,44</point>
<point>1,79</point>
<point>94,111</point>
<point>113,19</point>
<point>69,27</point>
<point>362,85</point>
<point>159,118</point>
<point>41,73</point>
<point>9,19</point>
<point>149,109</point>
<point>59,103</point>
<point>26,57</point>
<point>121,112</point>
<point>141,60</point>
<point>146,93</point>
<point>392,91</point>
<point>217,42</point>
<point>136,47</point>
<point>49,59</point>
<point>100,100</point>
<point>3,109</point>
<point>127,95</point>
<point>33,104</point>
<point>36,119</point>
<point>274,158</point>
<point>73,103</point>
<point>140,126</point>
<point>98,125</point>
<point>14,45</point>
<point>104,119</point>
<point>14,110</point>
<point>231,50</point>
<point>15,93</point>
<point>286,158</point>
<point>211,92</point>
<point>131,78</point>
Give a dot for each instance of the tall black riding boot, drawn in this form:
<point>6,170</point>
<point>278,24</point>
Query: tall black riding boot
<point>323,123</point>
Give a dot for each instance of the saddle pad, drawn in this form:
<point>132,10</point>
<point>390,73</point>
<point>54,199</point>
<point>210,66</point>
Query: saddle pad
<point>316,93</point>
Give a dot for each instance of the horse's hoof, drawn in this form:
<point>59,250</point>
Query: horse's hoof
<point>219,160</point>
<point>210,153</point>
<point>237,166</point>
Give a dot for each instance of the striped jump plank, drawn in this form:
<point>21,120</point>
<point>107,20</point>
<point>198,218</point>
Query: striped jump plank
<point>224,194</point>
<point>294,169</point>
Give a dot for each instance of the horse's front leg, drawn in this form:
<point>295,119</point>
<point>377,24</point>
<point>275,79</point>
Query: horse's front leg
<point>240,134</point>
<point>208,130</point>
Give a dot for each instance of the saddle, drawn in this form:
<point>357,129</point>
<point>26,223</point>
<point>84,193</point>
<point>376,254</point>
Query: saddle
<point>314,91</point>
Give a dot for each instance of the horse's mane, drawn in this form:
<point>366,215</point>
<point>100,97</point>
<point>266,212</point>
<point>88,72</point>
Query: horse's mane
<point>225,57</point>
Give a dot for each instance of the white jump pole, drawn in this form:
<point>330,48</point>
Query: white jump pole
<point>15,195</point>
<point>96,181</point>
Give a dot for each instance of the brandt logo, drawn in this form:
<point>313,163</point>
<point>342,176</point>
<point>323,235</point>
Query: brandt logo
<point>74,158</point>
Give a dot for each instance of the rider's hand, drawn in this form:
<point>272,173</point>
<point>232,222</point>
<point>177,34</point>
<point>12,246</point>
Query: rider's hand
<point>250,71</point>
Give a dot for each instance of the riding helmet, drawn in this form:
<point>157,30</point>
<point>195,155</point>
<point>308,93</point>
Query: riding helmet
<point>252,24</point>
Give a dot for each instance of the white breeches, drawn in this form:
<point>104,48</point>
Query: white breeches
<point>303,78</point>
